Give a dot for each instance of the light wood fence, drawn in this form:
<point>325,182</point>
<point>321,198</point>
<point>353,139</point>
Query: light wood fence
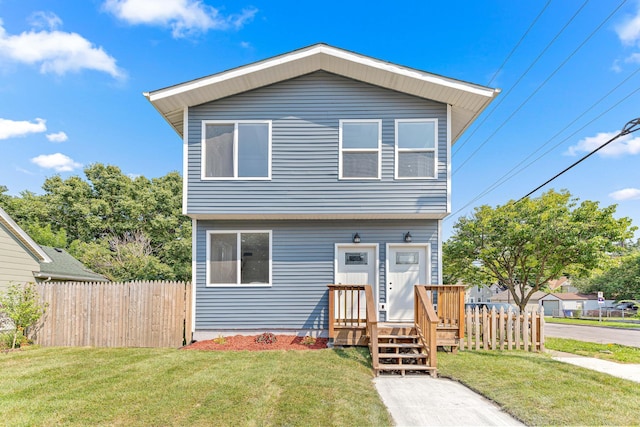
<point>131,314</point>
<point>497,330</point>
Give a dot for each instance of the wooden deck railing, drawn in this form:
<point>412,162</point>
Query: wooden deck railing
<point>348,310</point>
<point>449,300</point>
<point>426,323</point>
<point>372,327</point>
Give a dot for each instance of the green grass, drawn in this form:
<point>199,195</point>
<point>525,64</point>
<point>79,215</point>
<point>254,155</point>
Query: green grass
<point>541,391</point>
<point>93,386</point>
<point>612,352</point>
<point>594,322</point>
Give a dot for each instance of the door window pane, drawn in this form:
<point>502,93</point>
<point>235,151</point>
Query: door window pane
<point>356,258</point>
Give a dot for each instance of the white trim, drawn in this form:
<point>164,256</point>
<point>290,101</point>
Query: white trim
<point>194,278</point>
<point>238,233</point>
<point>360,150</point>
<point>185,159</point>
<point>376,272</point>
<point>427,256</point>
<point>312,216</point>
<point>440,242</point>
<point>30,244</point>
<point>448,158</point>
<point>315,50</point>
<point>397,150</point>
<point>235,176</point>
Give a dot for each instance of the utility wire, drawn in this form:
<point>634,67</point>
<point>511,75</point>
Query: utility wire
<point>629,128</point>
<point>509,175</point>
<point>562,64</point>
<point>522,76</point>
<point>518,44</point>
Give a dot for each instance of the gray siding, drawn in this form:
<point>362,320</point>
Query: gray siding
<point>305,114</point>
<point>303,265</point>
<point>16,262</point>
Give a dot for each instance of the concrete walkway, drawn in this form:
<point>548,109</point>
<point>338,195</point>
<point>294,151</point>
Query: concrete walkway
<point>426,401</point>
<point>625,371</point>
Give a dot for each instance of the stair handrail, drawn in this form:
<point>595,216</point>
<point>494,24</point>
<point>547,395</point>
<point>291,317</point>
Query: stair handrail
<point>372,325</point>
<point>450,305</point>
<point>426,322</point>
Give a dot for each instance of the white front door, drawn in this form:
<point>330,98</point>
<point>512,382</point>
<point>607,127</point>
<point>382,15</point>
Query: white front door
<point>407,266</point>
<point>355,264</point>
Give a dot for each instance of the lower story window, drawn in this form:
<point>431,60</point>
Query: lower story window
<point>238,258</point>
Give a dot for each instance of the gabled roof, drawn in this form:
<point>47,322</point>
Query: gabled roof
<point>23,237</point>
<point>66,267</point>
<point>467,100</point>
<point>570,296</point>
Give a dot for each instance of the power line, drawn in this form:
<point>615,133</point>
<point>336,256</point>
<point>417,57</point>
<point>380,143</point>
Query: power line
<point>509,175</point>
<point>562,64</point>
<point>518,44</point>
<point>522,76</point>
<point>628,128</point>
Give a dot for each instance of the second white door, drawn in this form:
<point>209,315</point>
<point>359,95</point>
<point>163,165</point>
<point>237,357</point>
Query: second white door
<point>407,267</point>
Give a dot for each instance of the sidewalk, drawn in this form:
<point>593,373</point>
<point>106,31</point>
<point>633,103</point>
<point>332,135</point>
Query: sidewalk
<point>426,401</point>
<point>626,371</point>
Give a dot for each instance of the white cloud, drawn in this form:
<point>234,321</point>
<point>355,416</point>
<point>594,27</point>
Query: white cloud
<point>634,58</point>
<point>16,128</point>
<point>48,20</point>
<point>184,17</point>
<point>245,45</point>
<point>629,30</point>
<point>56,52</point>
<point>626,194</point>
<point>57,137</point>
<point>58,162</point>
<point>622,146</point>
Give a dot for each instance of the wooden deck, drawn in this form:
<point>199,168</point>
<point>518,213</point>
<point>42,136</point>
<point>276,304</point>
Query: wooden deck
<point>398,347</point>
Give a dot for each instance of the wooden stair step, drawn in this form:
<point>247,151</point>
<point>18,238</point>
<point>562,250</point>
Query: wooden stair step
<point>403,356</point>
<point>400,337</point>
<point>396,367</point>
<point>398,345</point>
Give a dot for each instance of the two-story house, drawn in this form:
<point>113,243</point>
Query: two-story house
<point>314,167</point>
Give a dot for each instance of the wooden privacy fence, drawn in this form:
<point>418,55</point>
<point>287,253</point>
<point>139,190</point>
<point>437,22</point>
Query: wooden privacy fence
<point>500,330</point>
<point>130,314</point>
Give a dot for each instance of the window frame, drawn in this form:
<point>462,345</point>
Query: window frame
<point>342,150</point>
<point>235,177</point>
<point>238,283</point>
<point>399,150</point>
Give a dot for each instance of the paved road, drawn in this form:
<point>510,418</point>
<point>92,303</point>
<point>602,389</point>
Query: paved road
<point>594,334</point>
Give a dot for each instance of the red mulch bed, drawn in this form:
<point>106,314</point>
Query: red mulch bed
<point>241,342</point>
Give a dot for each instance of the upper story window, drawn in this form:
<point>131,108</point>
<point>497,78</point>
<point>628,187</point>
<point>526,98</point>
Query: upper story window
<point>416,141</point>
<point>360,149</point>
<point>236,150</point>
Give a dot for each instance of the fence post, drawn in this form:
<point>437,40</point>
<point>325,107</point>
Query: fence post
<point>541,329</point>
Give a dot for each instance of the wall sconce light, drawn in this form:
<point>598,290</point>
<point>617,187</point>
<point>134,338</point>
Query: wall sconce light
<point>407,237</point>
<point>356,238</point>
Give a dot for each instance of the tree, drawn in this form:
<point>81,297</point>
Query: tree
<point>86,216</point>
<point>522,245</point>
<point>621,282</point>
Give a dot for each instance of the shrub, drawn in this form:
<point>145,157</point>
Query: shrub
<point>21,304</point>
<point>308,340</point>
<point>266,338</point>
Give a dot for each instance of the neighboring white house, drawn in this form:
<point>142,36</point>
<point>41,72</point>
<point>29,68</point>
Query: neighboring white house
<point>481,293</point>
<point>568,303</point>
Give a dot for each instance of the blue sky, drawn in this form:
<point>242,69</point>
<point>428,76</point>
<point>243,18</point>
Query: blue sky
<point>72,76</point>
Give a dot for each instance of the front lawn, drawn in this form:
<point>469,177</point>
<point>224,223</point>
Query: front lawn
<point>541,391</point>
<point>98,386</point>
<point>613,352</point>
<point>606,323</point>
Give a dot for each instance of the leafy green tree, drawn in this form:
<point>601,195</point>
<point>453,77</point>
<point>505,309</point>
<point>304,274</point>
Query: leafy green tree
<point>21,304</point>
<point>621,282</point>
<point>97,218</point>
<point>522,245</point>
